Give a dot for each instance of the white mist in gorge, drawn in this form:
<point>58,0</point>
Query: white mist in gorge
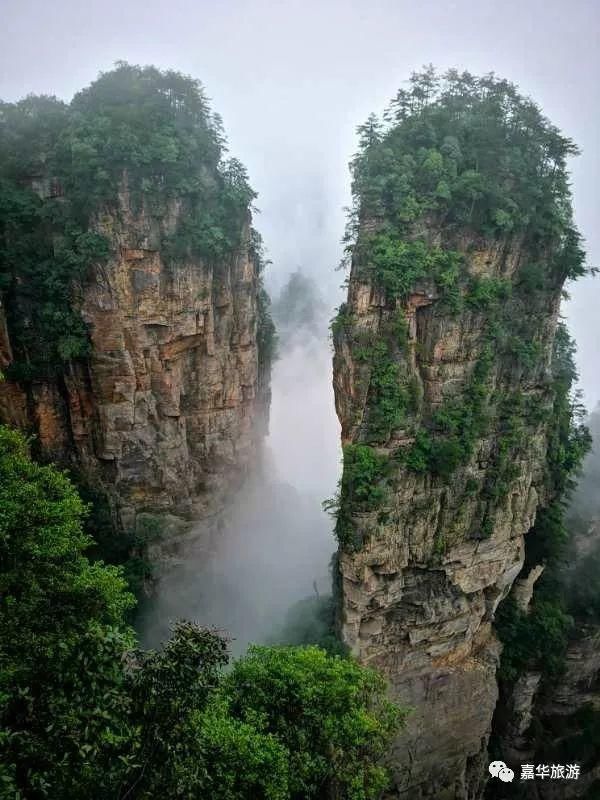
<point>274,547</point>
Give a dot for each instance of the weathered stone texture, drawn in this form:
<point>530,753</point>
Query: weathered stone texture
<point>165,414</point>
<point>418,596</point>
<point>554,707</point>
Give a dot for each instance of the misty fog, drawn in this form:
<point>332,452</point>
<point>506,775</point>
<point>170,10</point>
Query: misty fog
<point>274,547</point>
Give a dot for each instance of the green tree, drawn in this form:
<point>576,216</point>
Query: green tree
<point>470,152</point>
<point>187,742</point>
<point>137,133</point>
<point>299,309</point>
<point>83,713</point>
<point>330,714</point>
<point>63,706</point>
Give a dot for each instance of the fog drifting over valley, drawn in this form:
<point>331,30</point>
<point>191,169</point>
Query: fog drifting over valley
<point>274,547</point>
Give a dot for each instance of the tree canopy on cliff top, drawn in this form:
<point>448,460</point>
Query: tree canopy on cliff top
<point>464,152</point>
<point>459,162</point>
<point>138,130</point>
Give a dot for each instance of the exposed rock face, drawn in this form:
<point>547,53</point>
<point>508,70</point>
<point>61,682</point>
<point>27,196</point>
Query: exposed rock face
<point>562,709</point>
<point>555,719</point>
<point>524,587</point>
<point>165,414</point>
<point>419,592</point>
<point>577,692</point>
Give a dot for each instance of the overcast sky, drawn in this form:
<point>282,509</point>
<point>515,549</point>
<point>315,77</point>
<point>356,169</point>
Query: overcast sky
<point>293,79</point>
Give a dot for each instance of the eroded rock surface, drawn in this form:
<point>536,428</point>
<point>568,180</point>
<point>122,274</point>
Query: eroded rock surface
<point>165,414</point>
<point>430,565</point>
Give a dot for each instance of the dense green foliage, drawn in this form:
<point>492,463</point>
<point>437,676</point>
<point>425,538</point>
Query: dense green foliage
<point>314,705</point>
<point>83,714</point>
<point>361,489</point>
<point>187,742</point>
<point>61,639</point>
<point>391,395</point>
<point>534,639</point>
<point>141,131</point>
<point>361,479</point>
<point>266,332</point>
<point>460,156</point>
<point>467,152</point>
<point>397,265</point>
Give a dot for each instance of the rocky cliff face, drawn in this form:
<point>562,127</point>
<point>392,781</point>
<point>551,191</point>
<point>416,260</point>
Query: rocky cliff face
<point>547,715</point>
<point>570,711</point>
<point>135,333</point>
<point>540,721</point>
<point>460,240</point>
<point>165,413</point>
<point>419,591</point>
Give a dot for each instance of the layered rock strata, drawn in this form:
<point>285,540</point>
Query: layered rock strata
<point>427,568</point>
<point>164,414</point>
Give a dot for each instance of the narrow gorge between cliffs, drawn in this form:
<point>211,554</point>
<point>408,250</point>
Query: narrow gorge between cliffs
<point>273,546</point>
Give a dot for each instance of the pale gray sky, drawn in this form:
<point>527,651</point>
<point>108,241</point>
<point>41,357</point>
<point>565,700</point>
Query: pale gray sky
<point>293,79</point>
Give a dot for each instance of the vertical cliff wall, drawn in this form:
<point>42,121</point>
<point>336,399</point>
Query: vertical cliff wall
<point>550,625</point>
<point>145,375</point>
<point>444,392</point>
<point>163,413</point>
<point>554,720</point>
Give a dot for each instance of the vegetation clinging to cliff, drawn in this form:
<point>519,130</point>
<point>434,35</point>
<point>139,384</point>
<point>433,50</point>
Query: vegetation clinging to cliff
<point>360,489</point>
<point>537,639</point>
<point>266,332</point>
<point>461,164</point>
<point>141,131</point>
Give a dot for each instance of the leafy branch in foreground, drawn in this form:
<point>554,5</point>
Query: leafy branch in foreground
<point>83,713</point>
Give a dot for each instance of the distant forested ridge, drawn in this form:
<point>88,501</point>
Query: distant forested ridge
<point>299,307</point>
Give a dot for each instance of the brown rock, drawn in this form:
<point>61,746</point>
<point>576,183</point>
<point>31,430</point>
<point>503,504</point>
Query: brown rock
<point>163,415</point>
<point>419,596</point>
